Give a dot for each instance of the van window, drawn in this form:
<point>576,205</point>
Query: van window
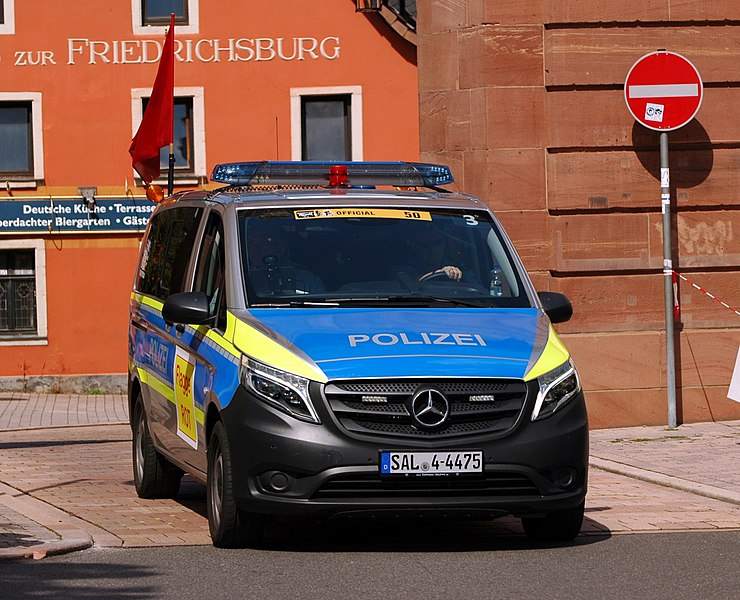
<point>209,270</point>
<point>167,251</point>
<point>398,255</point>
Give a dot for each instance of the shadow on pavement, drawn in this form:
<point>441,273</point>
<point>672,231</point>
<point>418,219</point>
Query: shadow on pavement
<point>54,443</point>
<point>18,540</point>
<point>403,534</point>
<point>49,579</point>
<point>406,535</point>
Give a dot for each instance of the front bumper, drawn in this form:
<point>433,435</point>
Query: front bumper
<point>283,466</point>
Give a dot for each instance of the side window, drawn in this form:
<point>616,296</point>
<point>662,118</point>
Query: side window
<point>210,270</point>
<point>167,251</point>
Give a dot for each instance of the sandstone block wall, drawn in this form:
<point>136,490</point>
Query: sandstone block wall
<point>525,101</point>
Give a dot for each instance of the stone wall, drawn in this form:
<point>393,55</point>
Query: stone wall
<point>525,101</point>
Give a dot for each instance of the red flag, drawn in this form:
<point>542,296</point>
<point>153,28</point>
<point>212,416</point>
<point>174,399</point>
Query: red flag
<point>155,130</point>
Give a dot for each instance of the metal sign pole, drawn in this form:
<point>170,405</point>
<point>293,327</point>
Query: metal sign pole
<point>663,91</point>
<point>665,198</point>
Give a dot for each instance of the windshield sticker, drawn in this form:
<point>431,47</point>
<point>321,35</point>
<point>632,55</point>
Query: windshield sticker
<point>367,213</point>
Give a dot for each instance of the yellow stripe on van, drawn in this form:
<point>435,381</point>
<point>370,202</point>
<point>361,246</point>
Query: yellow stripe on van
<point>553,355</point>
<point>263,348</point>
<point>223,342</point>
<point>156,385</point>
<point>147,300</point>
<point>166,392</point>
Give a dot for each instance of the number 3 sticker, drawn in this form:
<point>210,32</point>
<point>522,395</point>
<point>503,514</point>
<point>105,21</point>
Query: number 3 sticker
<point>470,220</point>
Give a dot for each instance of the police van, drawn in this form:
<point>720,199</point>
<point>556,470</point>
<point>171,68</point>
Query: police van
<point>349,339</point>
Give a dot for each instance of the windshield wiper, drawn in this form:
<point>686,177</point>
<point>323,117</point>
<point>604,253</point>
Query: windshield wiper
<point>441,299</point>
<point>406,300</point>
<point>294,304</point>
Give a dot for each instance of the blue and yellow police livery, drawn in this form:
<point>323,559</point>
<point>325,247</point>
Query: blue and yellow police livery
<point>349,339</point>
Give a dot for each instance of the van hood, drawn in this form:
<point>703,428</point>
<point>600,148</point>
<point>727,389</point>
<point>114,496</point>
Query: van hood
<point>409,342</point>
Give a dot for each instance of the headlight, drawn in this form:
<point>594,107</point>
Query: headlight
<point>282,390</point>
<point>557,387</point>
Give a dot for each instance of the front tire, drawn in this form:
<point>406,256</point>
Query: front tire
<point>154,476</point>
<point>229,526</point>
<point>558,526</point>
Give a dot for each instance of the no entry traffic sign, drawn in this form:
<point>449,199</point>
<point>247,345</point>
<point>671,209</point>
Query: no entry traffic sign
<point>663,90</point>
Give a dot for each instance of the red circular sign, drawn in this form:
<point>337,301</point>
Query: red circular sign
<point>663,90</point>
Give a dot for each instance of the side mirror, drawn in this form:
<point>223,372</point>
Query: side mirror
<point>190,308</point>
<point>556,306</point>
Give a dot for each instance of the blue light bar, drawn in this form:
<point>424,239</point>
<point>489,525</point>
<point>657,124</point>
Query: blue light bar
<point>399,174</point>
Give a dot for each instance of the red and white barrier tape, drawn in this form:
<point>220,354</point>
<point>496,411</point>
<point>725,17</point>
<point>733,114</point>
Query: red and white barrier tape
<point>701,289</point>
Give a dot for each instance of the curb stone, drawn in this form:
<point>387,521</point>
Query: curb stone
<point>70,544</point>
<point>670,481</point>
<point>75,533</point>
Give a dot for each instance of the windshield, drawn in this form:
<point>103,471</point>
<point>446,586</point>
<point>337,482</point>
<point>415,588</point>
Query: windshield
<point>378,257</point>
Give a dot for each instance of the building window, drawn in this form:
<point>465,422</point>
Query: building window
<point>182,137</point>
<point>189,133</point>
<point>157,12</point>
<point>150,17</point>
<point>17,292</point>
<point>326,123</point>
<point>16,139</point>
<point>21,144</point>
<point>22,292</point>
<point>326,127</point>
<point>7,17</point>
<point>405,10</point>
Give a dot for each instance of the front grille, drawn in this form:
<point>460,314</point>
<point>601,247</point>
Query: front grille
<point>370,485</point>
<point>476,407</point>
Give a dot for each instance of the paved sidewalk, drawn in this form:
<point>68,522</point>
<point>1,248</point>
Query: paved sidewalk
<point>31,411</point>
<point>66,482</point>
<point>22,534</point>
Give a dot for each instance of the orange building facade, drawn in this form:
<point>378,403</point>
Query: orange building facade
<point>524,100</point>
<point>253,81</point>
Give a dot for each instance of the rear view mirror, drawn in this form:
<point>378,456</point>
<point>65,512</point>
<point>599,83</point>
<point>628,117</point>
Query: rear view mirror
<point>189,308</point>
<point>556,306</point>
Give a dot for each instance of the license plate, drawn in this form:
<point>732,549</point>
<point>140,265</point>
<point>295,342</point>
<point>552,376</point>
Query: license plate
<point>431,463</point>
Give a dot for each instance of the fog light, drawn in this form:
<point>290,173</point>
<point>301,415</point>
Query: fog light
<point>276,481</point>
<point>564,477</point>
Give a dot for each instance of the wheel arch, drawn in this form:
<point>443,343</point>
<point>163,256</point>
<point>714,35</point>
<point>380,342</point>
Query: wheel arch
<point>134,391</point>
<point>213,416</point>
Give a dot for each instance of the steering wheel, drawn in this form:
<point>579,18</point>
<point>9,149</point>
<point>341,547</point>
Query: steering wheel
<point>434,275</point>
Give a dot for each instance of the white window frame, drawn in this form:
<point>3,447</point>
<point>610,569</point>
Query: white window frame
<point>39,248</point>
<point>8,25</point>
<point>37,130</point>
<point>199,130</point>
<point>139,29</point>
<point>296,127</point>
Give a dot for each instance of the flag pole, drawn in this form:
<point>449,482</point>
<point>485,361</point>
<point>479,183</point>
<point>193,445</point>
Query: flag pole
<point>171,171</point>
<point>171,163</point>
